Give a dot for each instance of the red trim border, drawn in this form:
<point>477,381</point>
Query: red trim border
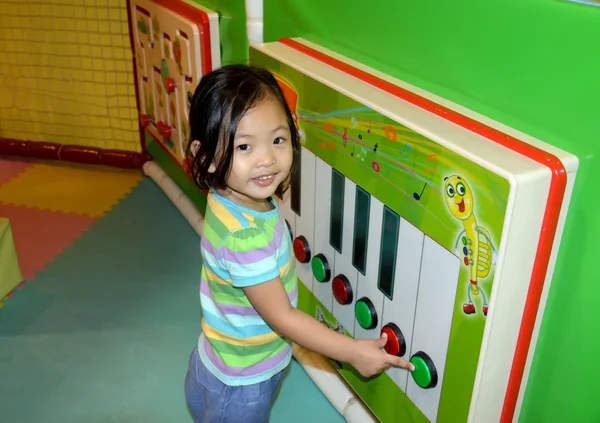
<point>130,18</point>
<point>200,18</point>
<point>551,215</point>
<point>73,153</point>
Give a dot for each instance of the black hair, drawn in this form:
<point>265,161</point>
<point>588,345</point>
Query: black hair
<point>220,101</point>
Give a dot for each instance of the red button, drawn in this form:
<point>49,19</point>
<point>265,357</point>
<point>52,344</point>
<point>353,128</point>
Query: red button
<point>302,249</point>
<point>342,290</point>
<point>170,85</point>
<point>145,120</point>
<point>396,344</point>
<point>167,132</point>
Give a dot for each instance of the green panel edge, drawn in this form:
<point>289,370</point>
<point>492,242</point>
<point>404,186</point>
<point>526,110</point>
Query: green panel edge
<point>177,174</point>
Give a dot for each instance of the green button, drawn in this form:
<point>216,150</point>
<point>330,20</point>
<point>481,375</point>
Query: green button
<point>421,374</point>
<point>318,268</point>
<point>363,314</point>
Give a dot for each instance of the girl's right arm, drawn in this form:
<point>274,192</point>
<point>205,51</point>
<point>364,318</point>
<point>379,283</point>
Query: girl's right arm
<point>272,303</point>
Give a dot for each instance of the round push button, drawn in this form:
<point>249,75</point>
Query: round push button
<point>395,345</point>
<point>425,374</point>
<point>342,290</point>
<point>320,268</point>
<point>302,249</point>
<point>170,85</point>
<point>365,313</point>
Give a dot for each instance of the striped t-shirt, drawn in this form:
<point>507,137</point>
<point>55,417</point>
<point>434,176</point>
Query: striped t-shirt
<point>242,247</point>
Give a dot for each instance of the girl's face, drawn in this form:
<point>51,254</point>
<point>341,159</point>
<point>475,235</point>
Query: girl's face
<point>262,156</point>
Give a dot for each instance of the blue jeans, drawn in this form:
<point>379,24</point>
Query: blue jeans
<point>211,401</point>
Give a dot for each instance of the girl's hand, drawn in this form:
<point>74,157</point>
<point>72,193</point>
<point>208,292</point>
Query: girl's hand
<point>369,359</point>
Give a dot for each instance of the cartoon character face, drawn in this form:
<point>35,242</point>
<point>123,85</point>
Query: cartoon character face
<point>458,196</point>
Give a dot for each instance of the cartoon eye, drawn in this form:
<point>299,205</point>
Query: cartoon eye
<point>461,188</point>
<point>450,191</point>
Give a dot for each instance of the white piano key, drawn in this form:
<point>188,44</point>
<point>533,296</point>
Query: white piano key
<point>305,222</point>
<point>322,290</point>
<point>286,210</point>
<point>433,319</point>
<point>343,261</point>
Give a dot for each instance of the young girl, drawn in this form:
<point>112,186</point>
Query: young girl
<point>243,149</point>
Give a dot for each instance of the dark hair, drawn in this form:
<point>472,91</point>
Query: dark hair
<point>220,101</point>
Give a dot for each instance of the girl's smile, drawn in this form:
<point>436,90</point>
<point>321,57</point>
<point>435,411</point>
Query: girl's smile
<point>264,181</point>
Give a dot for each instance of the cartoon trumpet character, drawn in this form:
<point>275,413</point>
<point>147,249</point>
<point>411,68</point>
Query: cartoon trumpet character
<point>474,241</point>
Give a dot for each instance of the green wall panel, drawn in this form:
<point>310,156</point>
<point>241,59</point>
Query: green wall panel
<point>232,28</point>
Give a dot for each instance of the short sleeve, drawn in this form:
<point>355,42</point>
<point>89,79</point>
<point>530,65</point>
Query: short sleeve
<point>250,257</point>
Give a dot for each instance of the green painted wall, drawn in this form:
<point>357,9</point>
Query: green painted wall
<point>232,28</point>
<point>533,65</point>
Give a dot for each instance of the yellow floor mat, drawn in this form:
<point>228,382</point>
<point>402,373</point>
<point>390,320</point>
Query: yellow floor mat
<point>69,187</point>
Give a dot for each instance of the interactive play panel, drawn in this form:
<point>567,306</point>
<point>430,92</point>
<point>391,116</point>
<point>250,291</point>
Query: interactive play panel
<point>175,44</point>
<point>436,227</point>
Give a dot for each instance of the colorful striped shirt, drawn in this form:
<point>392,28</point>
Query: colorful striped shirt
<point>242,247</point>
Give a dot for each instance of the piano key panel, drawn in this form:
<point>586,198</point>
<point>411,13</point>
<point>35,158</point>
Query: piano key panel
<point>402,223</point>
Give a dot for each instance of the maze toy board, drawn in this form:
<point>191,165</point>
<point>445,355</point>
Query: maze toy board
<point>413,219</point>
<point>175,44</point>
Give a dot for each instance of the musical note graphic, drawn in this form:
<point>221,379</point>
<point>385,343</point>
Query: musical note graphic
<point>408,151</point>
<point>419,196</point>
<point>390,133</point>
<point>362,155</point>
<point>345,137</point>
<point>369,130</point>
<point>431,157</point>
<point>354,122</point>
<point>375,148</point>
